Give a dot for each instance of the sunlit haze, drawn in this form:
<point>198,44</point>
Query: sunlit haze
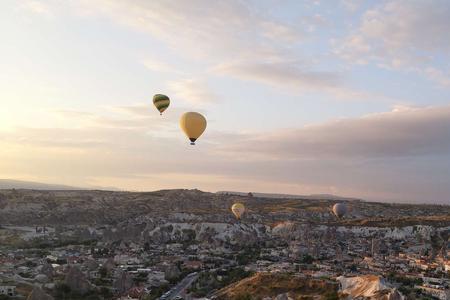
<point>350,98</point>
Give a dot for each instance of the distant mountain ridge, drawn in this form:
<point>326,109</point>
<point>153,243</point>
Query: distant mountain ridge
<point>31,185</point>
<point>289,196</point>
<point>6,184</point>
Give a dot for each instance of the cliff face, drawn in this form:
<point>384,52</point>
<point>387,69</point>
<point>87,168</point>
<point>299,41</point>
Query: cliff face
<point>399,233</point>
<point>368,287</point>
<point>208,232</point>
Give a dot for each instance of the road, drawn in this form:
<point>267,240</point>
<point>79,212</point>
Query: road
<point>181,287</point>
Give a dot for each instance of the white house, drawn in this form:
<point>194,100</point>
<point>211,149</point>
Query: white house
<point>8,290</point>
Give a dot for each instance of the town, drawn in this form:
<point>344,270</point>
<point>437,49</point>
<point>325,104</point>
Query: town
<point>189,256</point>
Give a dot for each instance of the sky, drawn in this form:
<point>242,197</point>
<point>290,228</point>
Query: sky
<point>346,97</point>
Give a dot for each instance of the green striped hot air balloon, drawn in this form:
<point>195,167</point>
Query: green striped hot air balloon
<point>161,102</point>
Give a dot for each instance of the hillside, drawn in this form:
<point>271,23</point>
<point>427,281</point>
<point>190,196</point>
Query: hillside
<point>273,285</point>
<point>369,287</point>
<point>289,196</point>
<point>30,207</point>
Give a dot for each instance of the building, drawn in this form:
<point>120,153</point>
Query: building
<point>8,290</point>
<point>442,294</point>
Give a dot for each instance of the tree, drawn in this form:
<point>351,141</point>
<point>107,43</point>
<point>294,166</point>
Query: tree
<point>62,290</point>
<point>333,295</point>
<point>307,259</point>
<point>146,247</point>
<point>103,272</point>
<point>244,296</point>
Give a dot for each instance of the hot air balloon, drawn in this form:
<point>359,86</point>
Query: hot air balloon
<point>238,210</point>
<point>340,209</point>
<point>161,102</point>
<point>193,124</point>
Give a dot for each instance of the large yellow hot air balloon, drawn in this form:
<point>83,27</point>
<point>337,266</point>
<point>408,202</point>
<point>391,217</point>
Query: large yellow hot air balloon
<point>161,102</point>
<point>193,124</point>
<point>238,210</point>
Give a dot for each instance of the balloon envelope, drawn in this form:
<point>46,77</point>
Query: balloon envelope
<point>161,102</point>
<point>193,124</point>
<point>340,209</point>
<point>238,210</point>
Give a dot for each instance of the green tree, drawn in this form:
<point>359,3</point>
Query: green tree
<point>244,296</point>
<point>103,272</point>
<point>62,290</point>
<point>332,295</point>
<point>307,259</point>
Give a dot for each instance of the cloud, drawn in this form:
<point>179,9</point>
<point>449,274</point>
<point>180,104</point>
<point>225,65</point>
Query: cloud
<point>351,5</point>
<point>400,34</point>
<point>37,7</point>
<point>295,77</point>
<point>198,27</point>
<point>158,65</point>
<point>131,116</point>
<point>400,133</point>
<point>251,44</point>
<point>280,73</point>
<point>280,32</point>
<point>140,117</point>
<point>75,114</point>
<point>140,110</point>
<point>438,76</point>
<point>194,91</point>
<point>400,155</point>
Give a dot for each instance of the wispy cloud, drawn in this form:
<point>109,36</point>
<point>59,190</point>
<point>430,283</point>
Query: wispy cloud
<point>438,76</point>
<point>158,65</point>
<point>404,35</point>
<point>252,46</point>
<point>281,32</point>
<point>281,74</point>
<point>37,7</point>
<point>295,77</point>
<point>194,91</point>
<point>140,110</point>
<point>351,5</point>
<point>178,25</point>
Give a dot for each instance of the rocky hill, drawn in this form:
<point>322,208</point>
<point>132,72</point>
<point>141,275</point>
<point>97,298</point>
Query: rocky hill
<point>278,286</point>
<point>34,207</point>
<point>368,287</point>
